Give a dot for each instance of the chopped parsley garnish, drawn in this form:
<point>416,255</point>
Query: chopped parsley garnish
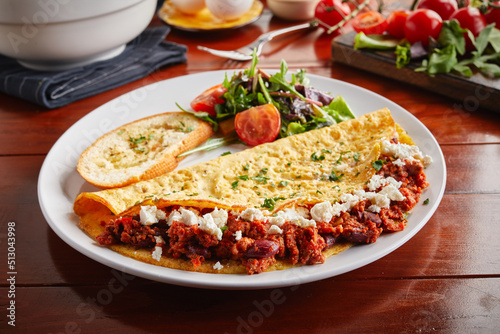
<point>315,158</point>
<point>243,177</point>
<point>334,177</point>
<point>185,129</point>
<point>283,183</point>
<point>137,140</point>
<point>224,228</point>
<point>356,156</point>
<point>246,167</point>
<point>261,179</point>
<point>225,153</point>
<point>378,164</point>
<point>234,184</point>
<point>426,201</point>
<point>269,203</point>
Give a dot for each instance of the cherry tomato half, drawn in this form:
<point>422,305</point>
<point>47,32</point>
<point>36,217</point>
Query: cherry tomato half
<point>422,24</point>
<point>396,23</point>
<point>331,12</point>
<point>493,15</point>
<point>207,100</point>
<point>258,125</point>
<point>443,7</point>
<point>472,19</point>
<point>371,23</point>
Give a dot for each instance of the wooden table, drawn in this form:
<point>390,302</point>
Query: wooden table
<point>445,279</point>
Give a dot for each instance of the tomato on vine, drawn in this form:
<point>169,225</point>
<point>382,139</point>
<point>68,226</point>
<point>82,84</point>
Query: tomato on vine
<point>396,23</point>
<point>472,19</point>
<point>422,24</point>
<point>331,12</point>
<point>370,22</point>
<point>445,8</point>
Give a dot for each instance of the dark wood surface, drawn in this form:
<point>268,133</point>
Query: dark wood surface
<point>446,279</point>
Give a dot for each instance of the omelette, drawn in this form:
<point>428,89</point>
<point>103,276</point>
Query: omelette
<point>295,201</point>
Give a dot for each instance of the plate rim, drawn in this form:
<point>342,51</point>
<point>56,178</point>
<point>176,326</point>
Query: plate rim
<point>297,275</point>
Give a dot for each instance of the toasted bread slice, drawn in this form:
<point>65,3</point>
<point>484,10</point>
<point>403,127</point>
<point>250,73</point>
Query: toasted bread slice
<point>141,150</point>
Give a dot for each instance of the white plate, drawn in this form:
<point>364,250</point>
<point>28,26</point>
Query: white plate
<point>59,183</point>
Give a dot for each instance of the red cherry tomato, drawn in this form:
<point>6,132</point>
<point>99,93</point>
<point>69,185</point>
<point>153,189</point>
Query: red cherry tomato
<point>331,12</point>
<point>207,100</point>
<point>472,19</point>
<point>493,15</point>
<point>422,24</point>
<point>371,23</point>
<point>258,125</point>
<point>396,23</point>
<point>443,7</point>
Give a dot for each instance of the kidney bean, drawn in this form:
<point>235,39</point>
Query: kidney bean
<point>262,249</point>
<point>329,240</point>
<point>357,236</point>
<point>198,250</point>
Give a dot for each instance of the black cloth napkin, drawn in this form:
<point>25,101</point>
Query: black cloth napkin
<point>141,56</point>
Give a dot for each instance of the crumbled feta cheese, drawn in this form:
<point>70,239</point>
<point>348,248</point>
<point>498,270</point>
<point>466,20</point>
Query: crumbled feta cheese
<point>379,201</point>
<point>148,215</point>
<point>277,220</point>
<point>218,266</point>
<point>161,215</point>
<point>376,182</point>
<point>186,217</point>
<point>427,160</point>
<point>252,214</point>
<point>405,151</point>
<point>401,151</point>
<point>156,254</point>
<point>220,217</point>
<point>338,208</point>
<point>158,250</point>
<point>207,224</point>
<point>392,193</point>
<point>349,200</point>
<point>275,230</point>
<point>322,212</point>
<point>237,235</point>
<point>174,216</point>
<point>399,162</point>
<point>394,182</point>
<point>292,216</point>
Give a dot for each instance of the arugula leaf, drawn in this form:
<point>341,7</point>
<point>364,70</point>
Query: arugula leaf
<point>442,60</point>
<point>452,34</point>
<point>339,109</point>
<point>495,39</point>
<point>481,42</point>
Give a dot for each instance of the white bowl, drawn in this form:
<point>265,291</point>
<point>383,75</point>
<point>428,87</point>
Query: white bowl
<point>294,10</point>
<point>63,34</point>
<point>228,10</point>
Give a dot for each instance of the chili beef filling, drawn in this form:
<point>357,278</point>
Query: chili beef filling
<point>256,242</point>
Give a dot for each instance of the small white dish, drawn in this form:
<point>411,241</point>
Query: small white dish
<point>293,10</point>
<point>228,10</point>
